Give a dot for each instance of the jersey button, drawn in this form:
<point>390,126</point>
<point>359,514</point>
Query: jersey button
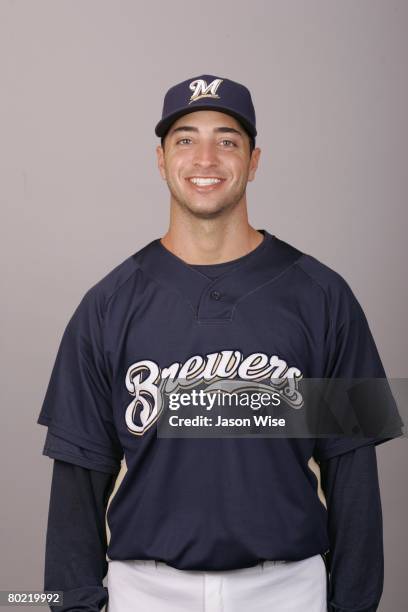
<point>216,295</point>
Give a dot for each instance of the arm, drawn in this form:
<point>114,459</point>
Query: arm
<point>76,543</point>
<point>356,561</point>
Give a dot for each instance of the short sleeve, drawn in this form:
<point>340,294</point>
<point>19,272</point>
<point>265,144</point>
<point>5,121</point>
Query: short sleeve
<point>353,354</point>
<point>58,448</point>
<point>77,407</point>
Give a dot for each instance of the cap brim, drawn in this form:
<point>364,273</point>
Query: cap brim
<point>163,126</point>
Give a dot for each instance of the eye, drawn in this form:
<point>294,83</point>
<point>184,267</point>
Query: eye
<point>183,140</point>
<point>230,142</point>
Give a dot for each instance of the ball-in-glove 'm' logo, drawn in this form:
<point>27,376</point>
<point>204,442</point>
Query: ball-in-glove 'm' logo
<point>202,90</point>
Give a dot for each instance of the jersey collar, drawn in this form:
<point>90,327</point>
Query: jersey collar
<point>214,300</point>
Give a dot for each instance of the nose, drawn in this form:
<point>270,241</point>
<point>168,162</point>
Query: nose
<point>205,155</point>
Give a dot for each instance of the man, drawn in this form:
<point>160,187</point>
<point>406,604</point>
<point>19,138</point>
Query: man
<point>214,523</point>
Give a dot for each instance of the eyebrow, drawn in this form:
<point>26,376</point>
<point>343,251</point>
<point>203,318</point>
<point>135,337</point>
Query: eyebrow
<point>218,130</point>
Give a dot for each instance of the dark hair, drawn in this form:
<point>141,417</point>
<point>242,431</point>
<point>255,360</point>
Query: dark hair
<point>251,140</point>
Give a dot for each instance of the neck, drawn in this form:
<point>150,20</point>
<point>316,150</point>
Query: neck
<point>210,241</point>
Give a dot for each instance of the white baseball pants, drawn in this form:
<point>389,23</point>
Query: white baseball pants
<point>271,586</point>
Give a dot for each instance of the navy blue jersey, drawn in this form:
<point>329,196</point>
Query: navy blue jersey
<point>206,504</point>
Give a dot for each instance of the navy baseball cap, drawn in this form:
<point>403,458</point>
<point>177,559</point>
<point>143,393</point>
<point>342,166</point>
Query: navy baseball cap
<point>208,92</point>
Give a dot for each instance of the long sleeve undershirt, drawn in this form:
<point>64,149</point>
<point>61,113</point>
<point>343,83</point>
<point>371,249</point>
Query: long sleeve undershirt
<point>355,526</point>
<point>76,542</point>
<point>75,560</point>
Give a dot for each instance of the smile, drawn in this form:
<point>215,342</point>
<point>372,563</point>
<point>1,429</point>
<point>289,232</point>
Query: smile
<point>206,182</point>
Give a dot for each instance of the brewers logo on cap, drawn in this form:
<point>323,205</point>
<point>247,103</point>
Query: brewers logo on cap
<point>202,90</point>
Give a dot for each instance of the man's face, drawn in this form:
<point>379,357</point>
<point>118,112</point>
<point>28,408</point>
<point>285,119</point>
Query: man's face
<point>206,162</point>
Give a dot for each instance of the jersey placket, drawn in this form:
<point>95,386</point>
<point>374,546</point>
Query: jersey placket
<point>213,300</point>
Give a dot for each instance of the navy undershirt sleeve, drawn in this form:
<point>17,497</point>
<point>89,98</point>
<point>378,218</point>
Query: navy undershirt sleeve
<point>356,560</point>
<point>76,543</point>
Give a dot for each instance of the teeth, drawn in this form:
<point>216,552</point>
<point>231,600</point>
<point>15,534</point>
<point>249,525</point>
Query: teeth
<point>205,181</point>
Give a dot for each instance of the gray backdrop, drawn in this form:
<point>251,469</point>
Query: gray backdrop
<point>82,84</point>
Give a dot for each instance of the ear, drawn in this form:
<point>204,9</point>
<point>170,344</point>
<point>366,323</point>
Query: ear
<point>160,161</point>
<point>253,164</point>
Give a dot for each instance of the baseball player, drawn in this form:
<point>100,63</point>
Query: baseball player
<point>209,523</point>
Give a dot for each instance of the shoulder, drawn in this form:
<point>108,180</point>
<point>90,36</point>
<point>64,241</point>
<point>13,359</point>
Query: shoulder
<point>316,283</point>
<point>322,275</point>
<point>337,291</point>
<point>97,298</point>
